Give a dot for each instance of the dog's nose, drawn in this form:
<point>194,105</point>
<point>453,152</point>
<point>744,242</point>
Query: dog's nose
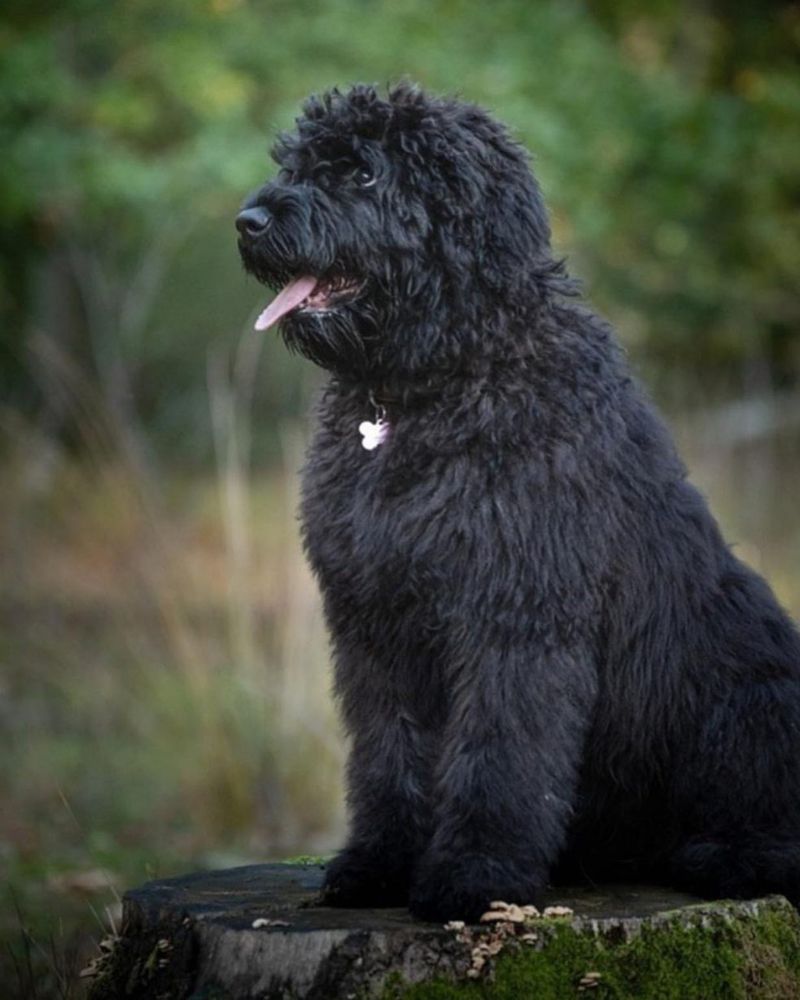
<point>252,221</point>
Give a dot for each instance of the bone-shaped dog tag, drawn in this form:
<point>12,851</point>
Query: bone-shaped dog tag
<point>373,434</point>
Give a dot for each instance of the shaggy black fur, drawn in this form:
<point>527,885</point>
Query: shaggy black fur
<point>550,663</point>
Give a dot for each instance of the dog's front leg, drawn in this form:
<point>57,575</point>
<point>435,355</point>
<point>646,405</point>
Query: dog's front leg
<point>506,778</point>
<point>388,767</point>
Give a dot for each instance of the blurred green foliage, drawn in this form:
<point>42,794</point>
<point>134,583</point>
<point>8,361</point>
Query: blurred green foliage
<point>666,136</point>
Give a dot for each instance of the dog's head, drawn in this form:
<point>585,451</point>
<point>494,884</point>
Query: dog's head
<point>405,234</point>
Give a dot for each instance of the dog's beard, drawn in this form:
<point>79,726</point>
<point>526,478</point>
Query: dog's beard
<point>339,338</point>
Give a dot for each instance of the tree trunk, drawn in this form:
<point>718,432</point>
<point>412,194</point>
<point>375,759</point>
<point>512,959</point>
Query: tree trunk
<point>256,932</point>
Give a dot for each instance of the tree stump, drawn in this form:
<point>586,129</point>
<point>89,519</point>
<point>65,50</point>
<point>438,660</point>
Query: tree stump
<point>257,932</point>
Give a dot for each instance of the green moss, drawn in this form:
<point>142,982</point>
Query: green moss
<point>711,957</point>
<point>771,956</point>
<point>307,860</point>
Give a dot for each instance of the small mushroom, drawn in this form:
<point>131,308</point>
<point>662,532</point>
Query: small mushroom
<point>515,914</point>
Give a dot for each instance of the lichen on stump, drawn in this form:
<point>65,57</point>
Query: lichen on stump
<point>256,932</point>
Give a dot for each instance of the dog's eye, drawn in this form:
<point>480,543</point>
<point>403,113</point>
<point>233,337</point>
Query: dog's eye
<point>364,177</point>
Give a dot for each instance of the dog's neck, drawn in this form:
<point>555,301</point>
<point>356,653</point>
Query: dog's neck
<point>391,397</point>
<point>399,396</point>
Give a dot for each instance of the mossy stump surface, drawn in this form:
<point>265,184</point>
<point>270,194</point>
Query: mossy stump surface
<point>256,932</point>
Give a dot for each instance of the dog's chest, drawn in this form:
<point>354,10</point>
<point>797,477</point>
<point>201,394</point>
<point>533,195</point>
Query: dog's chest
<point>376,533</point>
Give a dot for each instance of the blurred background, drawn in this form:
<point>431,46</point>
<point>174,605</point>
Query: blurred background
<point>164,690</point>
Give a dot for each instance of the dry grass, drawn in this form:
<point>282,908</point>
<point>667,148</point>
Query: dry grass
<point>164,686</point>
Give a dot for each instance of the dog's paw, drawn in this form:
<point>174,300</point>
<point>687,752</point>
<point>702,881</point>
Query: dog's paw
<point>359,878</point>
<point>462,888</point>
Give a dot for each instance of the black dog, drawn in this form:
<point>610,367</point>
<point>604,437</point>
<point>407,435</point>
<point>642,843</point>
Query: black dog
<point>550,664</point>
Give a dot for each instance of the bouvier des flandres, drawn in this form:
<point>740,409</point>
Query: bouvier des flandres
<point>549,662</point>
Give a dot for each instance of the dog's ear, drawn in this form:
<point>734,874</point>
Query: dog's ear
<point>514,206</point>
<point>491,212</point>
<point>516,227</point>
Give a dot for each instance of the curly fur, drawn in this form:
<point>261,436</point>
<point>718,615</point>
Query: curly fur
<point>550,664</point>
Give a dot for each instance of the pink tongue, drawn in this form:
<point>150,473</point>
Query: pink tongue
<point>288,298</point>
